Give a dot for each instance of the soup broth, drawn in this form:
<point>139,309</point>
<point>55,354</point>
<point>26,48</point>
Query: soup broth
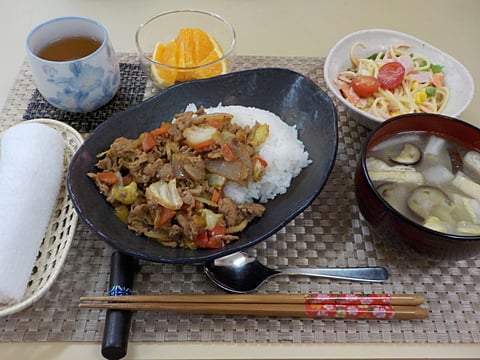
<point>432,180</point>
<point>69,48</point>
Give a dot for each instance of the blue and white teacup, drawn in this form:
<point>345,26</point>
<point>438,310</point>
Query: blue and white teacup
<point>80,85</point>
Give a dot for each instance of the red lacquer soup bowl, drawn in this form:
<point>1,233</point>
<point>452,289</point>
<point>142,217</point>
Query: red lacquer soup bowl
<point>389,224</point>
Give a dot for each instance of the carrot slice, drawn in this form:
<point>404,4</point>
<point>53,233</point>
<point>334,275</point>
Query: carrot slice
<point>162,130</point>
<point>148,142</point>
<point>227,152</point>
<point>107,177</point>
<point>204,144</point>
<point>215,196</point>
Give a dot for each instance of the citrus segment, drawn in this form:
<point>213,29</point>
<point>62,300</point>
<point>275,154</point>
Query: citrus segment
<point>190,49</point>
<point>217,68</point>
<point>203,44</point>
<point>165,54</point>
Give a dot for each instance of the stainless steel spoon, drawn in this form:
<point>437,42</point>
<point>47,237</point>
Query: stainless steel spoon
<point>242,273</point>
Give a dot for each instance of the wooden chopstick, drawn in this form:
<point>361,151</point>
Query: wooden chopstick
<point>336,306</point>
<point>332,311</point>
<point>374,299</point>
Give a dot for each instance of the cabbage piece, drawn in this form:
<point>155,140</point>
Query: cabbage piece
<point>122,212</point>
<point>215,180</point>
<point>259,134</point>
<point>211,218</point>
<point>165,193</point>
<point>196,135</point>
<point>125,194</point>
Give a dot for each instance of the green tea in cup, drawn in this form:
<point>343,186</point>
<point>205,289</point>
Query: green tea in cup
<point>73,63</point>
<point>69,48</point>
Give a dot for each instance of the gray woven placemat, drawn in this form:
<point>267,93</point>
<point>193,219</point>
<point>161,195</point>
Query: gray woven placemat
<point>330,232</point>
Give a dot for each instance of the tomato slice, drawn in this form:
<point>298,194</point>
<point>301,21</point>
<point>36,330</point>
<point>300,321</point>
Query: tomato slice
<point>202,239</point>
<point>163,216</point>
<point>391,75</point>
<point>218,231</point>
<point>212,239</point>
<point>364,85</point>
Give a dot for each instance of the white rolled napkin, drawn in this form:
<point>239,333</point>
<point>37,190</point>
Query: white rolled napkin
<point>31,172</point>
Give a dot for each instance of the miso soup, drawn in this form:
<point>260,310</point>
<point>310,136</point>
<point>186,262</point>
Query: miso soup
<point>432,180</point>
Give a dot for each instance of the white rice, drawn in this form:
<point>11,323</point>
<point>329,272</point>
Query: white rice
<point>284,153</point>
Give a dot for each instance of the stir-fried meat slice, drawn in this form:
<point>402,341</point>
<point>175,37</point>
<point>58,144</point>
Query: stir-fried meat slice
<point>135,162</point>
<point>252,210</point>
<point>164,172</point>
<point>105,163</point>
<point>230,212</point>
<point>102,187</point>
<point>123,149</point>
<point>187,197</point>
<point>235,214</point>
<point>140,218</point>
<point>189,225</point>
<point>182,121</point>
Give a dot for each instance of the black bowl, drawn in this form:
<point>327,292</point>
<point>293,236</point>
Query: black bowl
<point>293,97</point>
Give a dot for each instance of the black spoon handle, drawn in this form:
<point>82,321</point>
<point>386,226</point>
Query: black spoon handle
<point>117,322</point>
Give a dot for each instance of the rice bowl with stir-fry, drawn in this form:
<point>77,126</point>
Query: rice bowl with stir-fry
<point>194,182</point>
<point>305,106</point>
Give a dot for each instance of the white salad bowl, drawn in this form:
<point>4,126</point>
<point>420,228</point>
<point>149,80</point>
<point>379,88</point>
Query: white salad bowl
<point>457,77</point>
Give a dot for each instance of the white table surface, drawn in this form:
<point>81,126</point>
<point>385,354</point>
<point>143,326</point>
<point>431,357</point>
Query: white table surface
<point>264,27</point>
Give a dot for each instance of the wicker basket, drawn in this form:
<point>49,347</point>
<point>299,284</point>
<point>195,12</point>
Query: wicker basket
<point>60,231</point>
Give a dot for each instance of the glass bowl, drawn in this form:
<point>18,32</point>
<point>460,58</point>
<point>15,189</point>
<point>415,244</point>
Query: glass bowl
<point>165,27</point>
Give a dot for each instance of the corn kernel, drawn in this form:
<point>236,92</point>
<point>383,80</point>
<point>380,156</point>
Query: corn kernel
<point>414,85</point>
<point>420,97</point>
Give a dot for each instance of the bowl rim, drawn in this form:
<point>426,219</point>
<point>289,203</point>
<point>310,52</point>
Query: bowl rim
<point>226,54</point>
<point>374,119</point>
<point>363,157</point>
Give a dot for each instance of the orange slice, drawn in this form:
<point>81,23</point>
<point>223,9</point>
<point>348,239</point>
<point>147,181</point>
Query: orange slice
<point>165,54</point>
<point>191,48</point>
<point>214,69</point>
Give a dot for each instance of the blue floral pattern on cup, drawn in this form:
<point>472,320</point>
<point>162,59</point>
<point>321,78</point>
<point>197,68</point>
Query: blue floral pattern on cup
<point>81,85</point>
<point>87,87</point>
